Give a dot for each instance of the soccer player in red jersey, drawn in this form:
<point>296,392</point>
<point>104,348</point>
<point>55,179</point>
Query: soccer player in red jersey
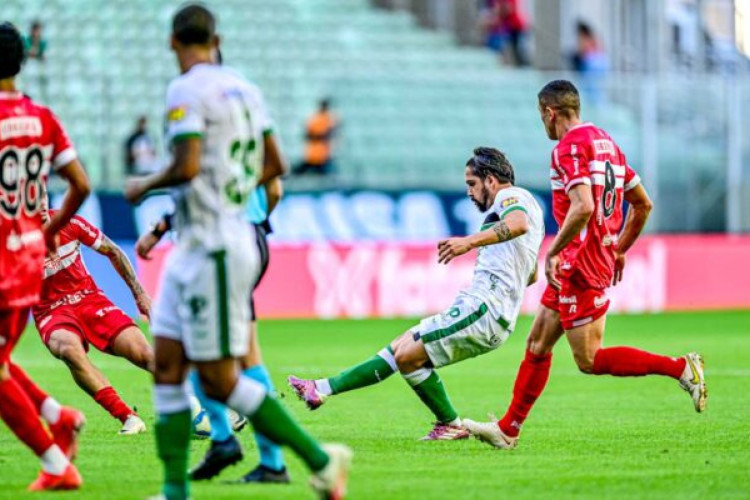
<point>31,142</point>
<point>74,313</point>
<point>590,179</point>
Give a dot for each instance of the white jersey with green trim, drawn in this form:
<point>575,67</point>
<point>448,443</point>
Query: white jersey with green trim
<point>229,114</point>
<point>502,270</point>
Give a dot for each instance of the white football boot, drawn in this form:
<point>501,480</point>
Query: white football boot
<point>490,433</point>
<point>330,483</point>
<point>694,381</point>
<point>133,425</point>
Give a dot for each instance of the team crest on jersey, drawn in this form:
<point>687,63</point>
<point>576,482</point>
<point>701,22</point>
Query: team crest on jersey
<point>508,202</point>
<point>177,114</point>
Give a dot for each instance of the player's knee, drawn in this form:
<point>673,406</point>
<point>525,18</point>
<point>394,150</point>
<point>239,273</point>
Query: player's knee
<point>585,363</point>
<point>70,352</point>
<point>144,357</point>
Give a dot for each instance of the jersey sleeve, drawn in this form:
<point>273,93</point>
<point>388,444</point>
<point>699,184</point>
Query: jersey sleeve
<point>63,151</point>
<point>571,162</point>
<point>632,179</point>
<point>265,123</point>
<point>184,112</point>
<point>86,232</point>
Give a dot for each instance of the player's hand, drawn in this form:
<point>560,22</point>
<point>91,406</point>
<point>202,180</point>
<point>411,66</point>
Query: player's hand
<point>143,302</point>
<point>451,248</point>
<point>135,188</point>
<point>145,244</point>
<point>552,271</point>
<point>619,267</point>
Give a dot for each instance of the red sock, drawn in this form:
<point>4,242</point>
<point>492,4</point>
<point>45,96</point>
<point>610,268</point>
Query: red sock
<point>33,391</point>
<point>110,401</point>
<point>631,362</point>
<point>18,412</point>
<point>530,381</point>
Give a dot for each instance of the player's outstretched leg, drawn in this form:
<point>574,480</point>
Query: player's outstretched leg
<point>20,414</point>
<point>64,422</point>
<point>329,464</point>
<point>530,383</point>
<point>414,364</point>
<point>225,450</point>
<point>371,371</point>
<point>272,468</point>
<point>67,346</point>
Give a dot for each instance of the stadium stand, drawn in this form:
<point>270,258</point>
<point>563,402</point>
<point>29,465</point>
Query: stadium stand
<point>413,103</point>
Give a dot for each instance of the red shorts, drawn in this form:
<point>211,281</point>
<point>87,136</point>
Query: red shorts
<point>576,302</point>
<point>12,324</point>
<point>95,319</point>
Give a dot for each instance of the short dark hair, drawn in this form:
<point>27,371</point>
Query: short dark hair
<point>194,24</point>
<point>491,162</point>
<point>12,52</point>
<point>562,96</point>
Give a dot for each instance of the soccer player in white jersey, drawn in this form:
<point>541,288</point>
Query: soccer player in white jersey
<point>482,316</point>
<point>219,154</point>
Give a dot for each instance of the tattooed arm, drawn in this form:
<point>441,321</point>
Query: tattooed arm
<point>513,225</point>
<point>124,268</point>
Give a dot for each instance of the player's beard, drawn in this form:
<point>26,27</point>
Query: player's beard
<point>484,204</point>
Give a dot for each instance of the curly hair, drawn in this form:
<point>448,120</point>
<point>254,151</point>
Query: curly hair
<point>491,162</point>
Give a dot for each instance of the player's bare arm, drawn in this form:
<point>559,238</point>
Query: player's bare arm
<point>124,268</point>
<point>148,240</point>
<point>273,163</point>
<point>512,226</point>
<point>274,191</point>
<point>184,167</point>
<point>78,190</point>
<point>640,209</point>
<point>534,276</point>
<point>581,210</point>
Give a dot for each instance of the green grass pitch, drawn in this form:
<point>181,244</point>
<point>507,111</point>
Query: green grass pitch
<point>588,437</point>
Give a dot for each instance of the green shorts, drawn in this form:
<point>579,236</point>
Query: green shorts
<point>466,329</point>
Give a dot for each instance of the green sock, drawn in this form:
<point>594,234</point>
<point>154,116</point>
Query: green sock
<point>172,443</point>
<point>273,421</point>
<point>374,370</point>
<point>428,386</point>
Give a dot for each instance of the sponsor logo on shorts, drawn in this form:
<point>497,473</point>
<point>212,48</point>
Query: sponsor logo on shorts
<point>46,320</point>
<point>600,301</point>
<point>568,300</point>
<point>566,266</point>
<point>3,340</point>
<point>177,114</point>
<point>105,310</point>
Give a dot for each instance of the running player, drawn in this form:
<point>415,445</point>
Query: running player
<point>225,449</point>
<point>215,127</point>
<point>482,316</point>
<point>590,179</point>
<point>74,313</point>
<point>31,142</point>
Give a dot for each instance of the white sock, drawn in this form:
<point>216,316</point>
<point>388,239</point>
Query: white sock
<point>54,461</point>
<point>417,376</point>
<point>323,387</point>
<point>50,410</point>
<point>455,422</point>
<point>247,396</point>
<point>387,355</point>
<point>171,398</point>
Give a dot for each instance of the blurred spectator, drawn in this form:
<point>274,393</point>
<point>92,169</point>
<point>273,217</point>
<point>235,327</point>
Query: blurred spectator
<point>320,130</point>
<point>140,152</point>
<point>505,28</point>
<point>591,61</point>
<point>36,45</point>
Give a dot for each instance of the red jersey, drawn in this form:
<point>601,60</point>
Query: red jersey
<point>588,155</point>
<point>31,141</point>
<point>66,279</point>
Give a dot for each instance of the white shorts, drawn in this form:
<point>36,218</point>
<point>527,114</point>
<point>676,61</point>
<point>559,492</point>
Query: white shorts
<point>467,329</point>
<point>203,301</point>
